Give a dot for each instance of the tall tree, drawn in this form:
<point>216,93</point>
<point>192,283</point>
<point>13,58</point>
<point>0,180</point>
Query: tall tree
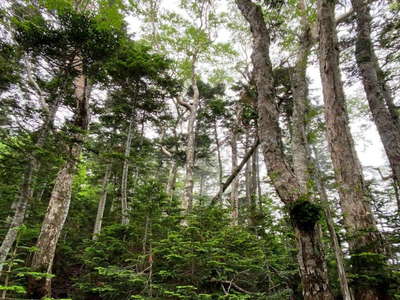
<point>359,220</point>
<point>313,274</point>
<point>376,88</point>
<point>79,55</point>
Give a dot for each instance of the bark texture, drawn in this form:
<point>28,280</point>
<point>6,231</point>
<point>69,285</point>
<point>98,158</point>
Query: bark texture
<point>313,276</point>
<point>344,283</point>
<point>358,218</point>
<point>376,89</point>
<point>60,198</point>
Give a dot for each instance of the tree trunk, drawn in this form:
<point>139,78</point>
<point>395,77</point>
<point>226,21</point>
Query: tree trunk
<point>19,215</point>
<point>313,274</point>
<point>344,284</point>
<point>259,191</point>
<point>220,168</point>
<point>124,179</point>
<point>358,218</point>
<point>26,193</point>
<point>253,190</point>
<point>172,178</point>
<point>376,89</point>
<point>247,175</point>
<point>60,198</point>
<point>234,197</point>
<point>187,200</point>
<point>102,203</point>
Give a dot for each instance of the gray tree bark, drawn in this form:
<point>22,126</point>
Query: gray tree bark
<point>220,167</point>
<point>124,179</point>
<point>358,218</point>
<point>187,200</point>
<point>234,197</point>
<point>102,203</point>
<point>344,283</point>
<point>60,198</point>
<point>375,87</point>
<point>313,274</point>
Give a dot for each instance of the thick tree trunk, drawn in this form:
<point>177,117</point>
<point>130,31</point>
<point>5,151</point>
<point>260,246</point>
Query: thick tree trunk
<point>187,200</point>
<point>344,284</point>
<point>60,198</point>
<point>378,94</point>
<point>358,218</point>
<point>313,274</point>
<point>124,179</point>
<point>102,203</point>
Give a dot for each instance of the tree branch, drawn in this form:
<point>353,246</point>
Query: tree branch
<point>184,103</point>
<point>235,172</point>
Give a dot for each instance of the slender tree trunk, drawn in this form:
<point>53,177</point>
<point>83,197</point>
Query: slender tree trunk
<point>26,193</point>
<point>220,167</point>
<point>247,175</point>
<point>60,198</point>
<point>187,201</point>
<point>102,203</point>
<point>313,274</point>
<point>19,215</point>
<point>358,218</point>
<point>259,191</point>
<point>253,190</point>
<point>234,197</point>
<point>378,94</point>
<point>124,179</point>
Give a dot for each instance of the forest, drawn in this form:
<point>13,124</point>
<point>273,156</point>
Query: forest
<point>200,149</point>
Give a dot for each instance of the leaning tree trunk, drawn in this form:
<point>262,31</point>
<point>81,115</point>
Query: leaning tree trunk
<point>187,200</point>
<point>313,274</point>
<point>26,193</point>
<point>359,221</point>
<point>60,198</point>
<point>102,203</point>
<point>377,92</point>
<point>124,179</point>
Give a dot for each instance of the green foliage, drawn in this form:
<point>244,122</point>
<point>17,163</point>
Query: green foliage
<point>69,34</point>
<point>304,213</point>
